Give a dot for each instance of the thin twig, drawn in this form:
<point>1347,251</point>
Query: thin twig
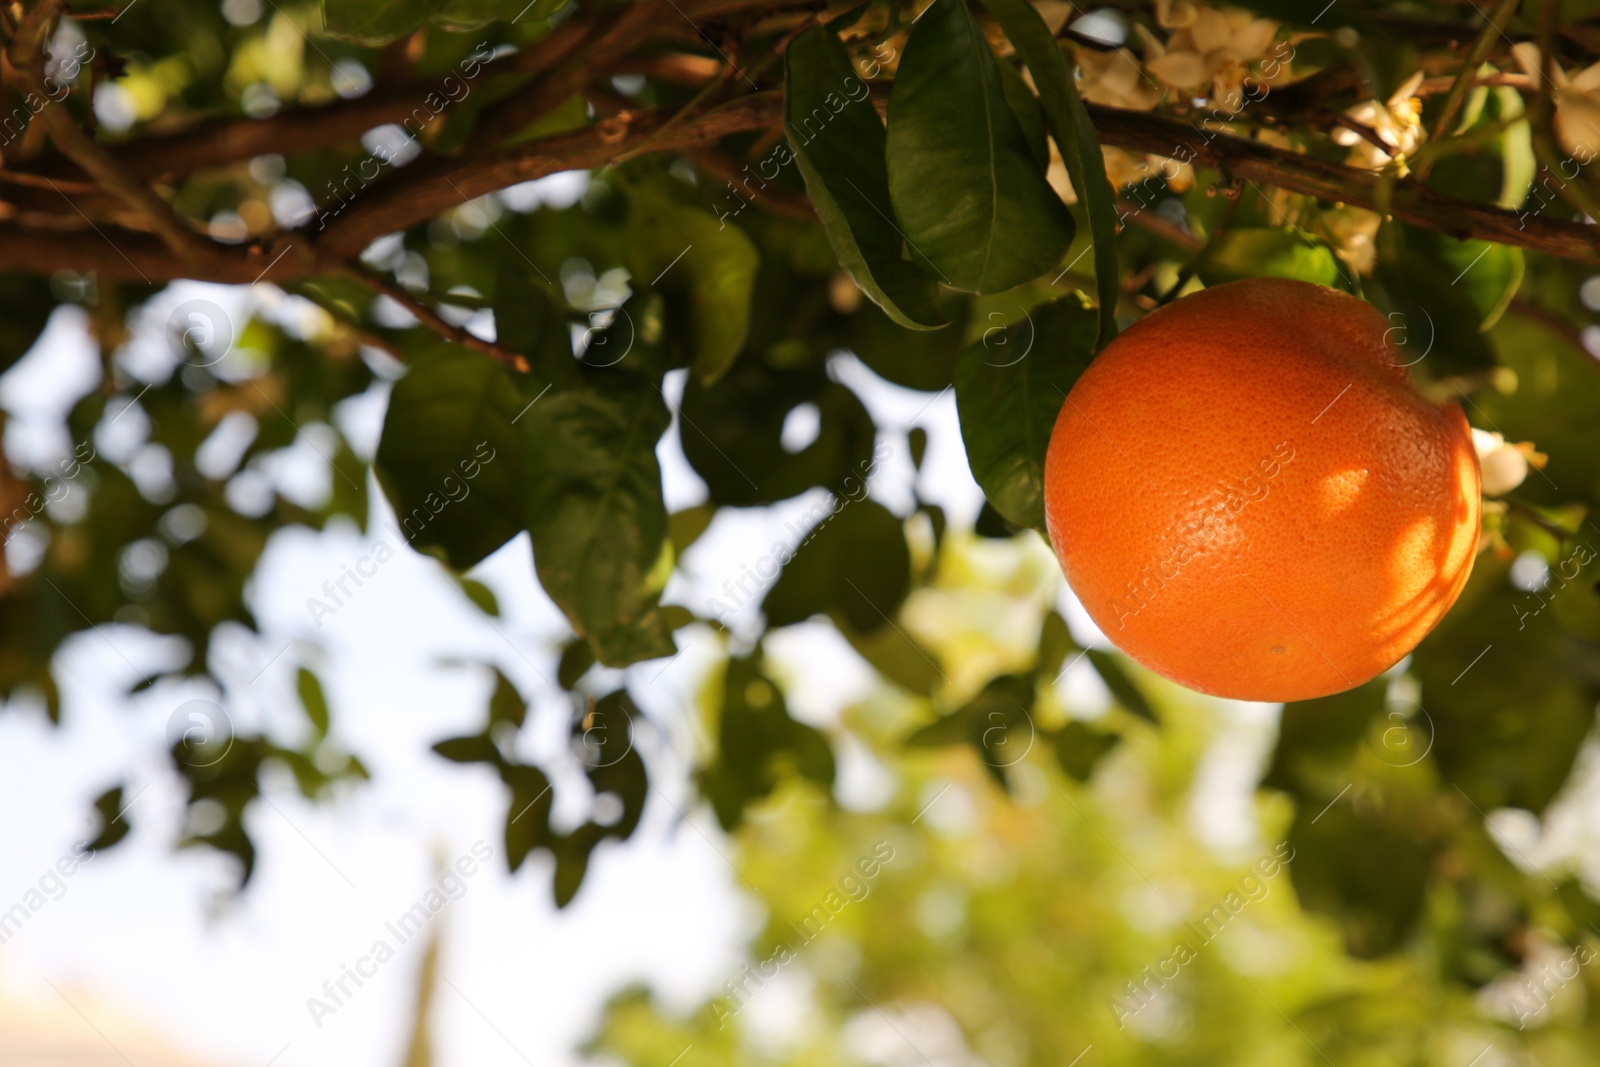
<point>1469,71</point>
<point>430,318</point>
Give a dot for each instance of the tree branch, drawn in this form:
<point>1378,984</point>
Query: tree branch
<point>429,187</point>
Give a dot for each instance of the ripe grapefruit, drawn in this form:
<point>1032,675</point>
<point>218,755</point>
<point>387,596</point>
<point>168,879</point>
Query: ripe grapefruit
<point>1250,496</point>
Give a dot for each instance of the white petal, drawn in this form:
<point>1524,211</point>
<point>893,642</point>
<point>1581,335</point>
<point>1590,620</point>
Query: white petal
<point>1503,470</point>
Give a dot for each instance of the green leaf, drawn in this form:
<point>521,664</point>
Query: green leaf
<point>113,819</point>
<point>477,748</point>
<point>1318,738</point>
<point>686,526</point>
<point>1267,252</point>
<point>528,813</point>
<point>1079,747</point>
<point>450,460</point>
<point>576,659</point>
<point>593,507</point>
<point>1025,107</point>
<point>505,703</point>
<point>527,321</point>
<point>481,596</point>
<point>25,306</point>
<point>314,700</point>
<point>925,360</point>
<point>1436,322</point>
<point>897,656</point>
<point>838,142</point>
<point>972,200</point>
<point>1363,867</point>
<point>854,563</point>
<point>1490,274</point>
<point>1122,688</point>
<point>704,267</point>
<point>1055,641</point>
<point>755,737</point>
<point>1009,389</point>
<point>1075,136</point>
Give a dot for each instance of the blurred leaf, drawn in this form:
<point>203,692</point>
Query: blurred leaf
<point>505,703</point>
<point>1079,747</point>
<point>1009,389</point>
<point>593,506</point>
<point>1123,691</point>
<point>527,814</point>
<point>685,527</point>
<point>576,659</point>
<point>732,435</point>
<point>25,307</point>
<point>838,143</point>
<point>314,700</point>
<point>113,822</point>
<point>1256,252</point>
<point>923,360</point>
<point>1055,641</point>
<point>754,734</point>
<point>1317,740</point>
<point>526,320</point>
<point>705,268</point>
<point>897,656</point>
<point>1367,872</point>
<point>450,460</point>
<point>971,199</point>
<point>481,596</point>
<point>477,748</point>
<point>853,562</point>
<point>1490,274</point>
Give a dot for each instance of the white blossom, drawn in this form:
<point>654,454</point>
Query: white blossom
<point>1397,123</point>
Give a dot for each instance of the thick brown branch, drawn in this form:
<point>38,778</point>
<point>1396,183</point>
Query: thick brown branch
<point>1252,161</point>
<point>427,188</point>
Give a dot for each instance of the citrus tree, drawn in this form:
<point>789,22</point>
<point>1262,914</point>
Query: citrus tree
<point>967,197</point>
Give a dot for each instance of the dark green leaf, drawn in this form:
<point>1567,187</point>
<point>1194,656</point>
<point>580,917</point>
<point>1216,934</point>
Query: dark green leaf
<point>1079,747</point>
<point>1055,641</point>
<point>505,703</point>
<point>593,506</point>
<point>477,748</point>
<point>113,821</point>
<point>1075,136</point>
<point>705,268</point>
<point>838,142</point>
<point>970,196</point>
<point>25,306</point>
<point>527,814</point>
<point>450,460</point>
<point>314,700</point>
<point>1009,390</point>
<point>1123,691</point>
<point>685,527</point>
<point>481,596</point>
<point>526,320</point>
<point>853,562</point>
<point>576,659</point>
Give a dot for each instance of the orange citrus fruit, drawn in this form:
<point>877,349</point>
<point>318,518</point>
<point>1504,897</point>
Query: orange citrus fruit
<point>1252,498</point>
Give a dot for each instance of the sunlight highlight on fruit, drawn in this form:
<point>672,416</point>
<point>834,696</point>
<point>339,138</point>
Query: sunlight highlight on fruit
<point>1250,496</point>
